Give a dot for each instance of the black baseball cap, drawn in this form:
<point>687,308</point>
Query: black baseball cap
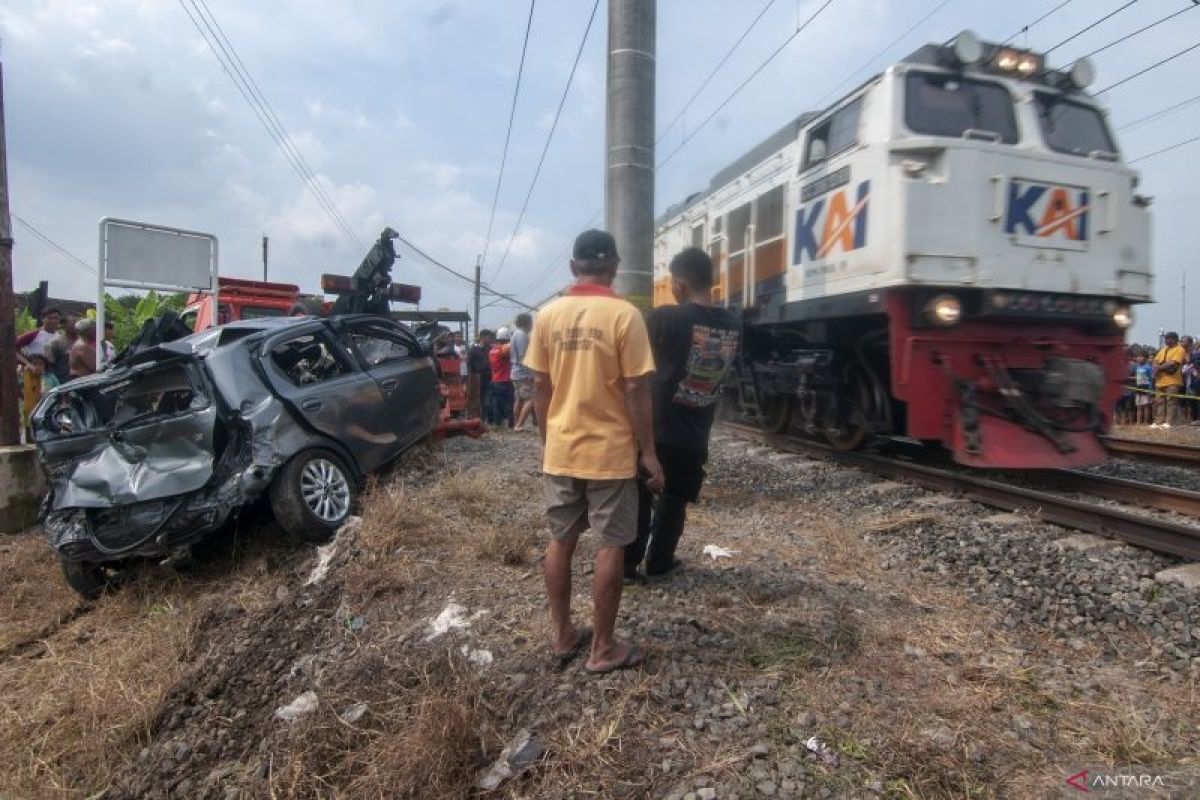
<point>1171,335</point>
<point>595,245</point>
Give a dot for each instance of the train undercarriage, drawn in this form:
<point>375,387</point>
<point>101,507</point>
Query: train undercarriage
<point>995,391</point>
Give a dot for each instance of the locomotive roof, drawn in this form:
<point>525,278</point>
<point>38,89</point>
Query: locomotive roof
<point>755,155</point>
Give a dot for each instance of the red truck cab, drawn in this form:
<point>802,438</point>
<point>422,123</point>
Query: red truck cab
<point>239,298</point>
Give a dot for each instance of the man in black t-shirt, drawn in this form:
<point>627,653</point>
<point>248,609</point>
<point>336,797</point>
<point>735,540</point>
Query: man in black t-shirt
<point>694,344</point>
<point>479,376</point>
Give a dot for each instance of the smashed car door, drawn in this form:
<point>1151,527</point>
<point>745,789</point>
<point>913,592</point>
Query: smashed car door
<point>319,382</point>
<point>405,375</point>
<point>129,435</point>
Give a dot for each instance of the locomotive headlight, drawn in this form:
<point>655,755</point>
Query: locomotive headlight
<point>1028,65</point>
<point>1007,60</point>
<point>945,310</point>
<point>1123,317</point>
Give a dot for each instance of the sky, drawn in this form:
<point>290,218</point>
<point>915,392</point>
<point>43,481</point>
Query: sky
<point>118,108</point>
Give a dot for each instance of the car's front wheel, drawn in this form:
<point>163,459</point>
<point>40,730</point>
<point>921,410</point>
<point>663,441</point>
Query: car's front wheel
<point>312,495</point>
<point>89,580</point>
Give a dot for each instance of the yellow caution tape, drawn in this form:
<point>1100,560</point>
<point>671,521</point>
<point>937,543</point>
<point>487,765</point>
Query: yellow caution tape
<point>1157,393</point>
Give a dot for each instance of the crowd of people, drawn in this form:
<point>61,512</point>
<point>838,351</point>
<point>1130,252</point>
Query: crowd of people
<point>1162,384</point>
<point>60,349</point>
<point>499,385</point>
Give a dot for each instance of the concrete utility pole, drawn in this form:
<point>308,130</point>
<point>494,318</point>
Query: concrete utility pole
<point>629,139</point>
<point>264,256</point>
<point>10,428</point>
<point>475,319</point>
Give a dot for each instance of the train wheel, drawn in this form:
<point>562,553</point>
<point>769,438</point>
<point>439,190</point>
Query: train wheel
<point>849,429</point>
<point>777,413</point>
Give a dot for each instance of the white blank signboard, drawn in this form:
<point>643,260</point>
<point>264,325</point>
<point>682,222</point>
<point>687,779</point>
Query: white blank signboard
<point>149,254</point>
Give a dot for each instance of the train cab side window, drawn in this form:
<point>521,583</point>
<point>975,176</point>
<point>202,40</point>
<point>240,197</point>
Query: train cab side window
<point>698,236</point>
<point>739,220</point>
<point>838,133</point>
<point>768,215</point>
<point>951,105</point>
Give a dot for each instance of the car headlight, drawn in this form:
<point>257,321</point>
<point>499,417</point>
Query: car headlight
<point>945,309</point>
<point>1123,317</point>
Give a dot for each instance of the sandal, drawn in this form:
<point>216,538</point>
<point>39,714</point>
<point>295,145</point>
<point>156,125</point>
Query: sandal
<point>633,658</point>
<point>582,642</point>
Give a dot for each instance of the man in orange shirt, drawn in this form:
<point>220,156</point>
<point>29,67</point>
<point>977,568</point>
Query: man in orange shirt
<point>591,361</point>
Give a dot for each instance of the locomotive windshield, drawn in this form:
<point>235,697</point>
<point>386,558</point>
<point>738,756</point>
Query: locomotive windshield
<point>1071,127</point>
<point>949,105</point>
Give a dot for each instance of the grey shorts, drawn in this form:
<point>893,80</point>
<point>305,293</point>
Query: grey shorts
<point>610,508</point>
<point>523,388</point>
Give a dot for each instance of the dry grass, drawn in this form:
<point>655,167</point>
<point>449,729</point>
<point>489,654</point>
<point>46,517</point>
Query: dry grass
<point>76,706</point>
<point>422,736</point>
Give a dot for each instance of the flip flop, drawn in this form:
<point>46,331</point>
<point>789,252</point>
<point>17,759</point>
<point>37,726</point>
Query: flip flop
<point>582,642</point>
<point>633,658</point>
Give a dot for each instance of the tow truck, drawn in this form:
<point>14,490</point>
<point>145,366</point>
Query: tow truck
<point>369,290</point>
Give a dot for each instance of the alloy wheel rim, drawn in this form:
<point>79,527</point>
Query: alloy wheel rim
<point>325,490</point>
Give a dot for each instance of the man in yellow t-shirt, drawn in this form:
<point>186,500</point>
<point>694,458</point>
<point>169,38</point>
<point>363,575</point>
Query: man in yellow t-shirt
<point>591,361</point>
<point>1168,381</point>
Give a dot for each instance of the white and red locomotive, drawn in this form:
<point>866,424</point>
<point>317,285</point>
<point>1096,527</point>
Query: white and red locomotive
<point>948,253</point>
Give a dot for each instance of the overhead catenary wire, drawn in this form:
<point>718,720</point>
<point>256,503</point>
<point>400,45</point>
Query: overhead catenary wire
<point>1042,18</point>
<point>512,113</point>
<point>724,59</point>
<point>53,244</point>
<point>1142,72</point>
<point>246,87</point>
<point>866,64</point>
<point>1175,146</point>
<point>1088,27</point>
<point>1162,112</point>
<point>774,54</point>
<point>460,275</point>
<point>549,138</point>
<point>1143,29</point>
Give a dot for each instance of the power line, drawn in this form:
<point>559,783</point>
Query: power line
<point>512,113</point>
<point>1026,28</point>
<point>715,70</point>
<point>549,137</point>
<point>1160,113</point>
<point>461,276</point>
<point>1139,73</point>
<point>247,88</point>
<point>1087,28</point>
<point>50,242</point>
<point>1165,150</point>
<point>1139,30</point>
<point>821,103</point>
<point>273,120</point>
<point>745,83</point>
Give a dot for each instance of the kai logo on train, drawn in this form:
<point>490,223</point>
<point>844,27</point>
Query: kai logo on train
<point>1046,214</point>
<point>836,223</point>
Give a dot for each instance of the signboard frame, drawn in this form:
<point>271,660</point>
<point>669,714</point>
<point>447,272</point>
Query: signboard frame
<point>105,280</point>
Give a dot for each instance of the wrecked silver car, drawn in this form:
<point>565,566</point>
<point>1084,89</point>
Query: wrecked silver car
<point>168,445</point>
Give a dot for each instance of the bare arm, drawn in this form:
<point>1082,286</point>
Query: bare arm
<point>543,390</point>
<point>641,416</point>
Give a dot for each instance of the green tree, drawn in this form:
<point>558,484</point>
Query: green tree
<point>129,313</point>
<point>25,321</point>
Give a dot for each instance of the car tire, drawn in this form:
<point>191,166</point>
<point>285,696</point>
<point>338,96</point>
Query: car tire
<point>88,579</point>
<point>312,496</point>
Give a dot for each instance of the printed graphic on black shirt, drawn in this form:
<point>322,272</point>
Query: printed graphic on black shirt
<point>712,352</point>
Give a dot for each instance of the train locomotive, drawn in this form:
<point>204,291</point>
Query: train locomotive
<point>949,253</point>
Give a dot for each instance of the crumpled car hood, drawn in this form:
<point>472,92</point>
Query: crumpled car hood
<point>148,463</point>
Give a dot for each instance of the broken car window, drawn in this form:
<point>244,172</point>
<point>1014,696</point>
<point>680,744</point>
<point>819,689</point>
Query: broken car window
<point>157,392</point>
<point>307,359</point>
<point>377,348</point>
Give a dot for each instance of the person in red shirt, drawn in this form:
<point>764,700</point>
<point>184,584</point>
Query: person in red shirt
<point>501,395</point>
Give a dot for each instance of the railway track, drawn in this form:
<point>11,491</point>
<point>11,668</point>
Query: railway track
<point>1163,452</point>
<point>1152,533</point>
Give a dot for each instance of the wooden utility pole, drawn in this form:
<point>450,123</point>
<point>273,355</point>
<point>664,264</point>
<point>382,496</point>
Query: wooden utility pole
<point>10,428</point>
<point>629,140</point>
<point>476,320</point>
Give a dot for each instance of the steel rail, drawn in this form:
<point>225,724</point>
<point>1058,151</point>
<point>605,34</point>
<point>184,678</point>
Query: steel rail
<point>1143,531</point>
<point>1154,451</point>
